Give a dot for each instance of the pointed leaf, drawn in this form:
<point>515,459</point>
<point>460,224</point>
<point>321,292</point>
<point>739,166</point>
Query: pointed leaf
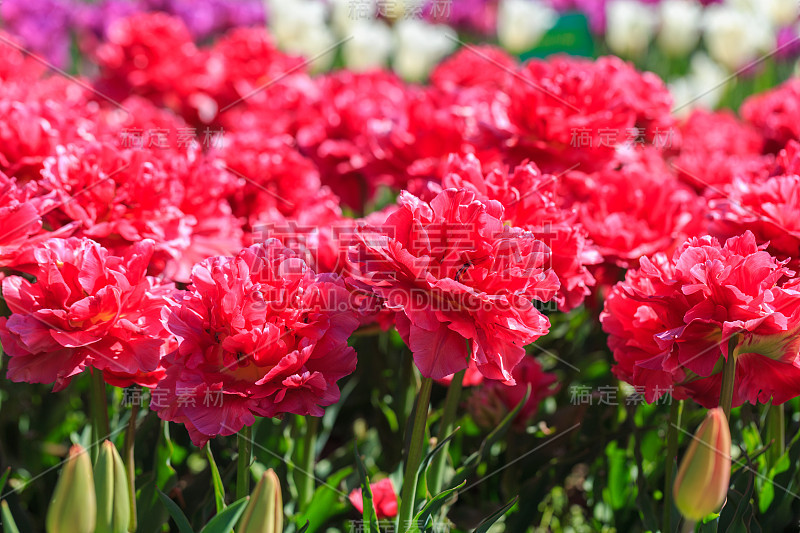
<point>8,521</point>
<point>370,517</point>
<point>219,488</point>
<point>225,521</point>
<point>175,512</point>
<point>4,478</point>
<point>424,518</point>
<point>325,503</point>
<point>423,467</point>
<point>497,515</point>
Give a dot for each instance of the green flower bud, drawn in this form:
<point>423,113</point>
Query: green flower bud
<point>264,511</point>
<point>705,472</point>
<point>73,507</point>
<point>111,484</point>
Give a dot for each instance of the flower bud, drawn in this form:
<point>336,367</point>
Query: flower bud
<point>705,472</point>
<point>111,487</point>
<point>264,511</point>
<point>73,507</point>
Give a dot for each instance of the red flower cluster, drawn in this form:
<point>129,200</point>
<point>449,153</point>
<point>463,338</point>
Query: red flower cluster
<point>670,323</point>
<point>716,148</point>
<point>86,308</point>
<point>451,270</point>
<point>775,114</point>
<point>258,334</point>
<point>531,201</point>
<point>516,182</point>
<point>566,111</point>
<point>769,207</point>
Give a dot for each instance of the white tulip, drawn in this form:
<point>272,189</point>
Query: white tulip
<point>401,9</point>
<point>703,86</point>
<point>777,12</point>
<point>680,26</point>
<point>347,14</point>
<point>782,12</point>
<point>420,46</point>
<point>299,27</point>
<point>630,25</point>
<point>522,23</point>
<point>734,37</point>
<point>369,46</point>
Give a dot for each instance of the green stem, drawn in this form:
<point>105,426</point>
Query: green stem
<point>776,433</point>
<point>304,476</point>
<point>100,430</point>
<point>130,466</point>
<point>414,457</point>
<point>407,385</point>
<point>675,411</point>
<point>245,439</point>
<point>728,378</point>
<point>445,428</point>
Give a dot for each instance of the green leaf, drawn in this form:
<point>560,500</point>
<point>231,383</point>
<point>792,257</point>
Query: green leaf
<point>422,522</point>
<point>4,478</point>
<point>162,466</point>
<point>423,466</point>
<point>370,517</point>
<point>767,493</point>
<point>219,488</point>
<point>709,524</point>
<point>304,529</point>
<point>175,512</point>
<point>618,479</point>
<point>150,512</point>
<point>226,520</point>
<point>8,521</point>
<point>743,508</point>
<point>325,503</point>
<point>497,515</point>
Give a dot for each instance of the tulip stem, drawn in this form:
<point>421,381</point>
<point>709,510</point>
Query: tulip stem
<point>776,433</point>
<point>414,457</point>
<point>304,475</point>
<point>99,411</point>
<point>245,441</point>
<point>675,410</point>
<point>130,466</point>
<point>445,427</point>
<point>728,378</point>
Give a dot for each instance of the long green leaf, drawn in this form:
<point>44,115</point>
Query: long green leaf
<point>219,488</point>
<point>618,480</point>
<point>370,517</point>
<point>175,512</point>
<point>8,521</point>
<point>4,478</point>
<point>225,521</point>
<point>497,515</point>
<point>422,522</point>
<point>325,503</point>
<point>423,466</point>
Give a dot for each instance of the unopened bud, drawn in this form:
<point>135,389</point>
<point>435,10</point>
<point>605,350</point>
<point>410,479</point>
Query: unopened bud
<point>705,472</point>
<point>73,507</point>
